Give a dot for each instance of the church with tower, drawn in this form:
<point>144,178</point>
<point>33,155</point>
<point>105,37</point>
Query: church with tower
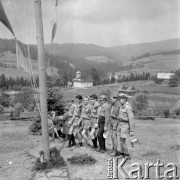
<point>80,82</point>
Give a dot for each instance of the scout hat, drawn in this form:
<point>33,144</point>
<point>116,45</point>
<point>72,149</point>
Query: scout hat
<point>93,96</point>
<point>79,97</point>
<point>123,88</point>
<point>123,95</point>
<point>131,89</point>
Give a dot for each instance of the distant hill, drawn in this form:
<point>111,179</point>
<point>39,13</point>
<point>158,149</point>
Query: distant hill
<point>134,50</point>
<point>75,51</point>
<point>70,57</point>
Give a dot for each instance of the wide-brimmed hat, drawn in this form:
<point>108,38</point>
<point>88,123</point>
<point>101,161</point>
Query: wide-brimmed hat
<point>122,88</point>
<point>123,95</point>
<point>79,97</point>
<point>93,96</point>
<point>131,89</point>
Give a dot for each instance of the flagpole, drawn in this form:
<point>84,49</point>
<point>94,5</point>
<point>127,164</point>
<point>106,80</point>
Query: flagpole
<point>42,78</point>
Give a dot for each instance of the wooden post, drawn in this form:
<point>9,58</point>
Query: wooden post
<point>42,78</point>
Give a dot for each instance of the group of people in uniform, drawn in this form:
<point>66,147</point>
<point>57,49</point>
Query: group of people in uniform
<point>90,120</point>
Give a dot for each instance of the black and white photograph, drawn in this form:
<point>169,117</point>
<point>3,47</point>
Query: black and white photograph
<point>89,89</point>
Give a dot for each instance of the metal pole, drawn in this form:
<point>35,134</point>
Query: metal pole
<point>42,78</point>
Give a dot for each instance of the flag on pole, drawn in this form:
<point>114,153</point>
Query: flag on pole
<point>22,62</point>
<point>54,23</point>
<point>4,19</point>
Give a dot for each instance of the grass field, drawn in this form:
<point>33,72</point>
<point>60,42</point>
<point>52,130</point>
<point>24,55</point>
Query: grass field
<point>159,95</point>
<point>158,139</point>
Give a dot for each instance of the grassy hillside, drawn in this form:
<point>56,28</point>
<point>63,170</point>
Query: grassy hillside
<point>10,59</point>
<point>160,96</point>
<point>134,50</point>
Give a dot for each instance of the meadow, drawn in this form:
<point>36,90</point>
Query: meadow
<point>158,139</point>
<point>160,95</point>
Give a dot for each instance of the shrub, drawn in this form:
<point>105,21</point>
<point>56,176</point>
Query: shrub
<point>82,159</point>
<point>15,114</point>
<point>4,100</point>
<point>166,113</point>
<point>177,111</point>
<point>30,107</point>
<point>35,127</point>
<point>25,97</point>
<point>55,100</point>
<point>1,109</point>
<point>140,102</point>
<point>55,161</point>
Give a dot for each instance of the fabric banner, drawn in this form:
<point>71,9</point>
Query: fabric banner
<point>4,19</point>
<point>22,62</point>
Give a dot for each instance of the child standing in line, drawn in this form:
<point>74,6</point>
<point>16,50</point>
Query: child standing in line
<point>125,124</point>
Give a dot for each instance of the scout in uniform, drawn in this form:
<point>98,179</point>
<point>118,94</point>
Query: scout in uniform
<point>104,115</point>
<point>95,107</point>
<point>114,112</point>
<point>75,120</point>
<point>125,124</point>
<point>85,120</point>
<point>71,112</point>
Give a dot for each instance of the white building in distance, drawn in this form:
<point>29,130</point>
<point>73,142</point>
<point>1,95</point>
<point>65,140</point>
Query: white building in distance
<point>80,82</point>
<point>165,75</point>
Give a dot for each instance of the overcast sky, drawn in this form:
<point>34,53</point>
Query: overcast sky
<point>101,22</point>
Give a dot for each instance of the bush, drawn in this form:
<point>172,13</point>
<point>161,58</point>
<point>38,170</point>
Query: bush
<point>55,161</point>
<point>1,109</point>
<point>35,127</point>
<point>30,108</point>
<point>55,100</point>
<point>166,113</point>
<point>4,100</point>
<point>17,110</point>
<point>25,97</point>
<point>177,112</point>
<point>82,159</point>
<point>140,102</point>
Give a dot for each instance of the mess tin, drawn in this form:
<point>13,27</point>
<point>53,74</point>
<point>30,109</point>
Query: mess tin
<point>134,142</point>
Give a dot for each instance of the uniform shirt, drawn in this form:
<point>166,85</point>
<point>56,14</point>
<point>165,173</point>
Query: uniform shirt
<point>105,112</point>
<point>95,110</point>
<point>72,110</point>
<point>126,114</point>
<point>86,111</point>
<point>115,109</point>
<point>78,110</point>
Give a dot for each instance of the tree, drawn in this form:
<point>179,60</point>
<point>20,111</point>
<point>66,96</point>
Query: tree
<point>113,77</point>
<point>2,81</point>
<point>25,97</point>
<point>140,102</point>
<point>4,100</point>
<point>95,76</point>
<point>173,81</point>
<point>55,100</point>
